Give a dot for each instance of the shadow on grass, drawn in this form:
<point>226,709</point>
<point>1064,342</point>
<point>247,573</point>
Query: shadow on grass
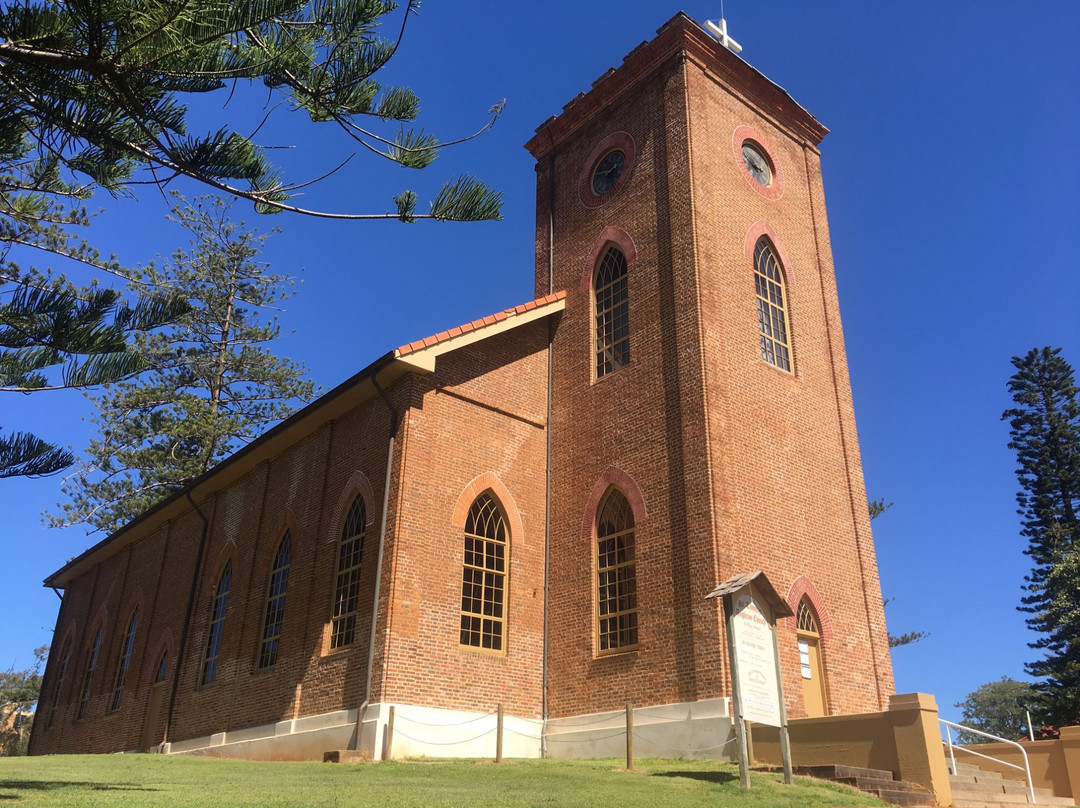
<point>56,785</point>
<point>708,777</point>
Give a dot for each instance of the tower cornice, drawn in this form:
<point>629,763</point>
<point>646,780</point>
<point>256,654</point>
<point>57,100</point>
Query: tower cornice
<point>680,37</point>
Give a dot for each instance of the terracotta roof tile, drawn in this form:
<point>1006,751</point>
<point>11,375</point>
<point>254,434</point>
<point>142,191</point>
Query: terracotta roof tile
<point>491,319</point>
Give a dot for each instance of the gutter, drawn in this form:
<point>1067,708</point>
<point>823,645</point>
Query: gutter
<point>180,652</point>
<point>547,465</point>
<point>379,564</point>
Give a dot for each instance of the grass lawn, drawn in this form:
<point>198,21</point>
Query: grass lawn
<point>87,781</point>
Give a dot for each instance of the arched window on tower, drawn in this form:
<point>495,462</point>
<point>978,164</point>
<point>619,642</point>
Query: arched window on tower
<point>125,661</point>
<point>617,628</point>
<point>274,615</point>
<point>347,585</point>
<point>217,626</point>
<point>772,310</point>
<point>612,313</point>
<point>483,577</point>
<point>811,666</point>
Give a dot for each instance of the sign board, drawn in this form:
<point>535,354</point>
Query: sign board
<point>755,650</point>
<point>752,607</point>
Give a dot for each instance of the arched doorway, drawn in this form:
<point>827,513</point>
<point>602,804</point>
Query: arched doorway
<point>811,667</point>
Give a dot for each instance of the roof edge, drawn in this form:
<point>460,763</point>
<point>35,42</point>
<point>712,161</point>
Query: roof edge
<point>415,357</point>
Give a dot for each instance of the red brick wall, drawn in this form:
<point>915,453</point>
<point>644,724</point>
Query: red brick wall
<point>300,488</point>
<point>484,413</point>
<point>741,466</point>
<point>478,423</point>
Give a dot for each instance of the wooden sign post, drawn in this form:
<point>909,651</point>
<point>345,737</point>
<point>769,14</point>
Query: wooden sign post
<point>751,609</point>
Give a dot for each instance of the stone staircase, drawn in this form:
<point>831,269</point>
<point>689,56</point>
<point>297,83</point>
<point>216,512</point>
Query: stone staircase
<point>878,782</point>
<point>973,787</point>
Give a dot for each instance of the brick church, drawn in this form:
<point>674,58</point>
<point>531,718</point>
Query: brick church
<point>528,511</point>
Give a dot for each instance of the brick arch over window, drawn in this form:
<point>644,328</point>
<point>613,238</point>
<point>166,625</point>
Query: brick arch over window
<point>754,234</point>
<point>358,485</point>
<point>489,482</point>
<point>101,620</point>
<point>228,553</point>
<point>617,478</point>
<point>134,602</point>
<point>286,521</point>
<point>803,587</point>
<point>165,644</point>
<point>611,237</point>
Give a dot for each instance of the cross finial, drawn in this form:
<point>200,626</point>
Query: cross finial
<point>720,32</point>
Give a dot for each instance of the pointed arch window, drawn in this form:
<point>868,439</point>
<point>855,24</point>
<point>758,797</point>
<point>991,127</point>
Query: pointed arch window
<point>61,677</point>
<point>125,661</point>
<point>612,313</point>
<point>347,585</point>
<point>483,577</point>
<point>772,310</point>
<point>217,626</point>
<point>617,625</point>
<point>162,669</point>
<point>275,603</point>
<point>88,676</point>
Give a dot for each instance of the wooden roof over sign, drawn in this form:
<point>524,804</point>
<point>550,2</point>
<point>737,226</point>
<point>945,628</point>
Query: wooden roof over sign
<point>738,582</point>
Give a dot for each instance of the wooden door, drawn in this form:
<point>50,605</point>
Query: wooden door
<point>813,676</point>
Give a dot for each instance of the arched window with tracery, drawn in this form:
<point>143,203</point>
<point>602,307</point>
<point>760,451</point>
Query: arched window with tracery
<point>811,666</point>
<point>125,661</point>
<point>347,584</point>
<point>274,615</point>
<point>771,306</point>
<point>483,577</point>
<point>612,305</point>
<point>217,626</point>
<point>616,614</point>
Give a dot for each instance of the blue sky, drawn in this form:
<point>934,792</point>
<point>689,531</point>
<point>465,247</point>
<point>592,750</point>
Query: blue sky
<point>951,176</point>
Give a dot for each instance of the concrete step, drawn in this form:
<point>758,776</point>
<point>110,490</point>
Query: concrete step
<point>972,787</point>
<point>999,787</point>
<point>907,797</point>
<point>832,772</point>
<point>878,782</point>
<point>872,783</point>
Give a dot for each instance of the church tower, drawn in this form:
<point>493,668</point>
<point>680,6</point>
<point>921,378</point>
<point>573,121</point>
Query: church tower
<point>702,421</point>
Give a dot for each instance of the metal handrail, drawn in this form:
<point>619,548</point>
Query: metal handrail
<point>952,757</point>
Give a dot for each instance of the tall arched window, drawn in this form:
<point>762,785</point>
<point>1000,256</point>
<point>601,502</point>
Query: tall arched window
<point>612,313</point>
<point>616,577</point>
<point>217,626</point>
<point>810,664</point>
<point>61,677</point>
<point>772,311</point>
<point>125,661</point>
<point>275,603</point>
<point>347,587</point>
<point>88,676</point>
<point>483,577</point>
